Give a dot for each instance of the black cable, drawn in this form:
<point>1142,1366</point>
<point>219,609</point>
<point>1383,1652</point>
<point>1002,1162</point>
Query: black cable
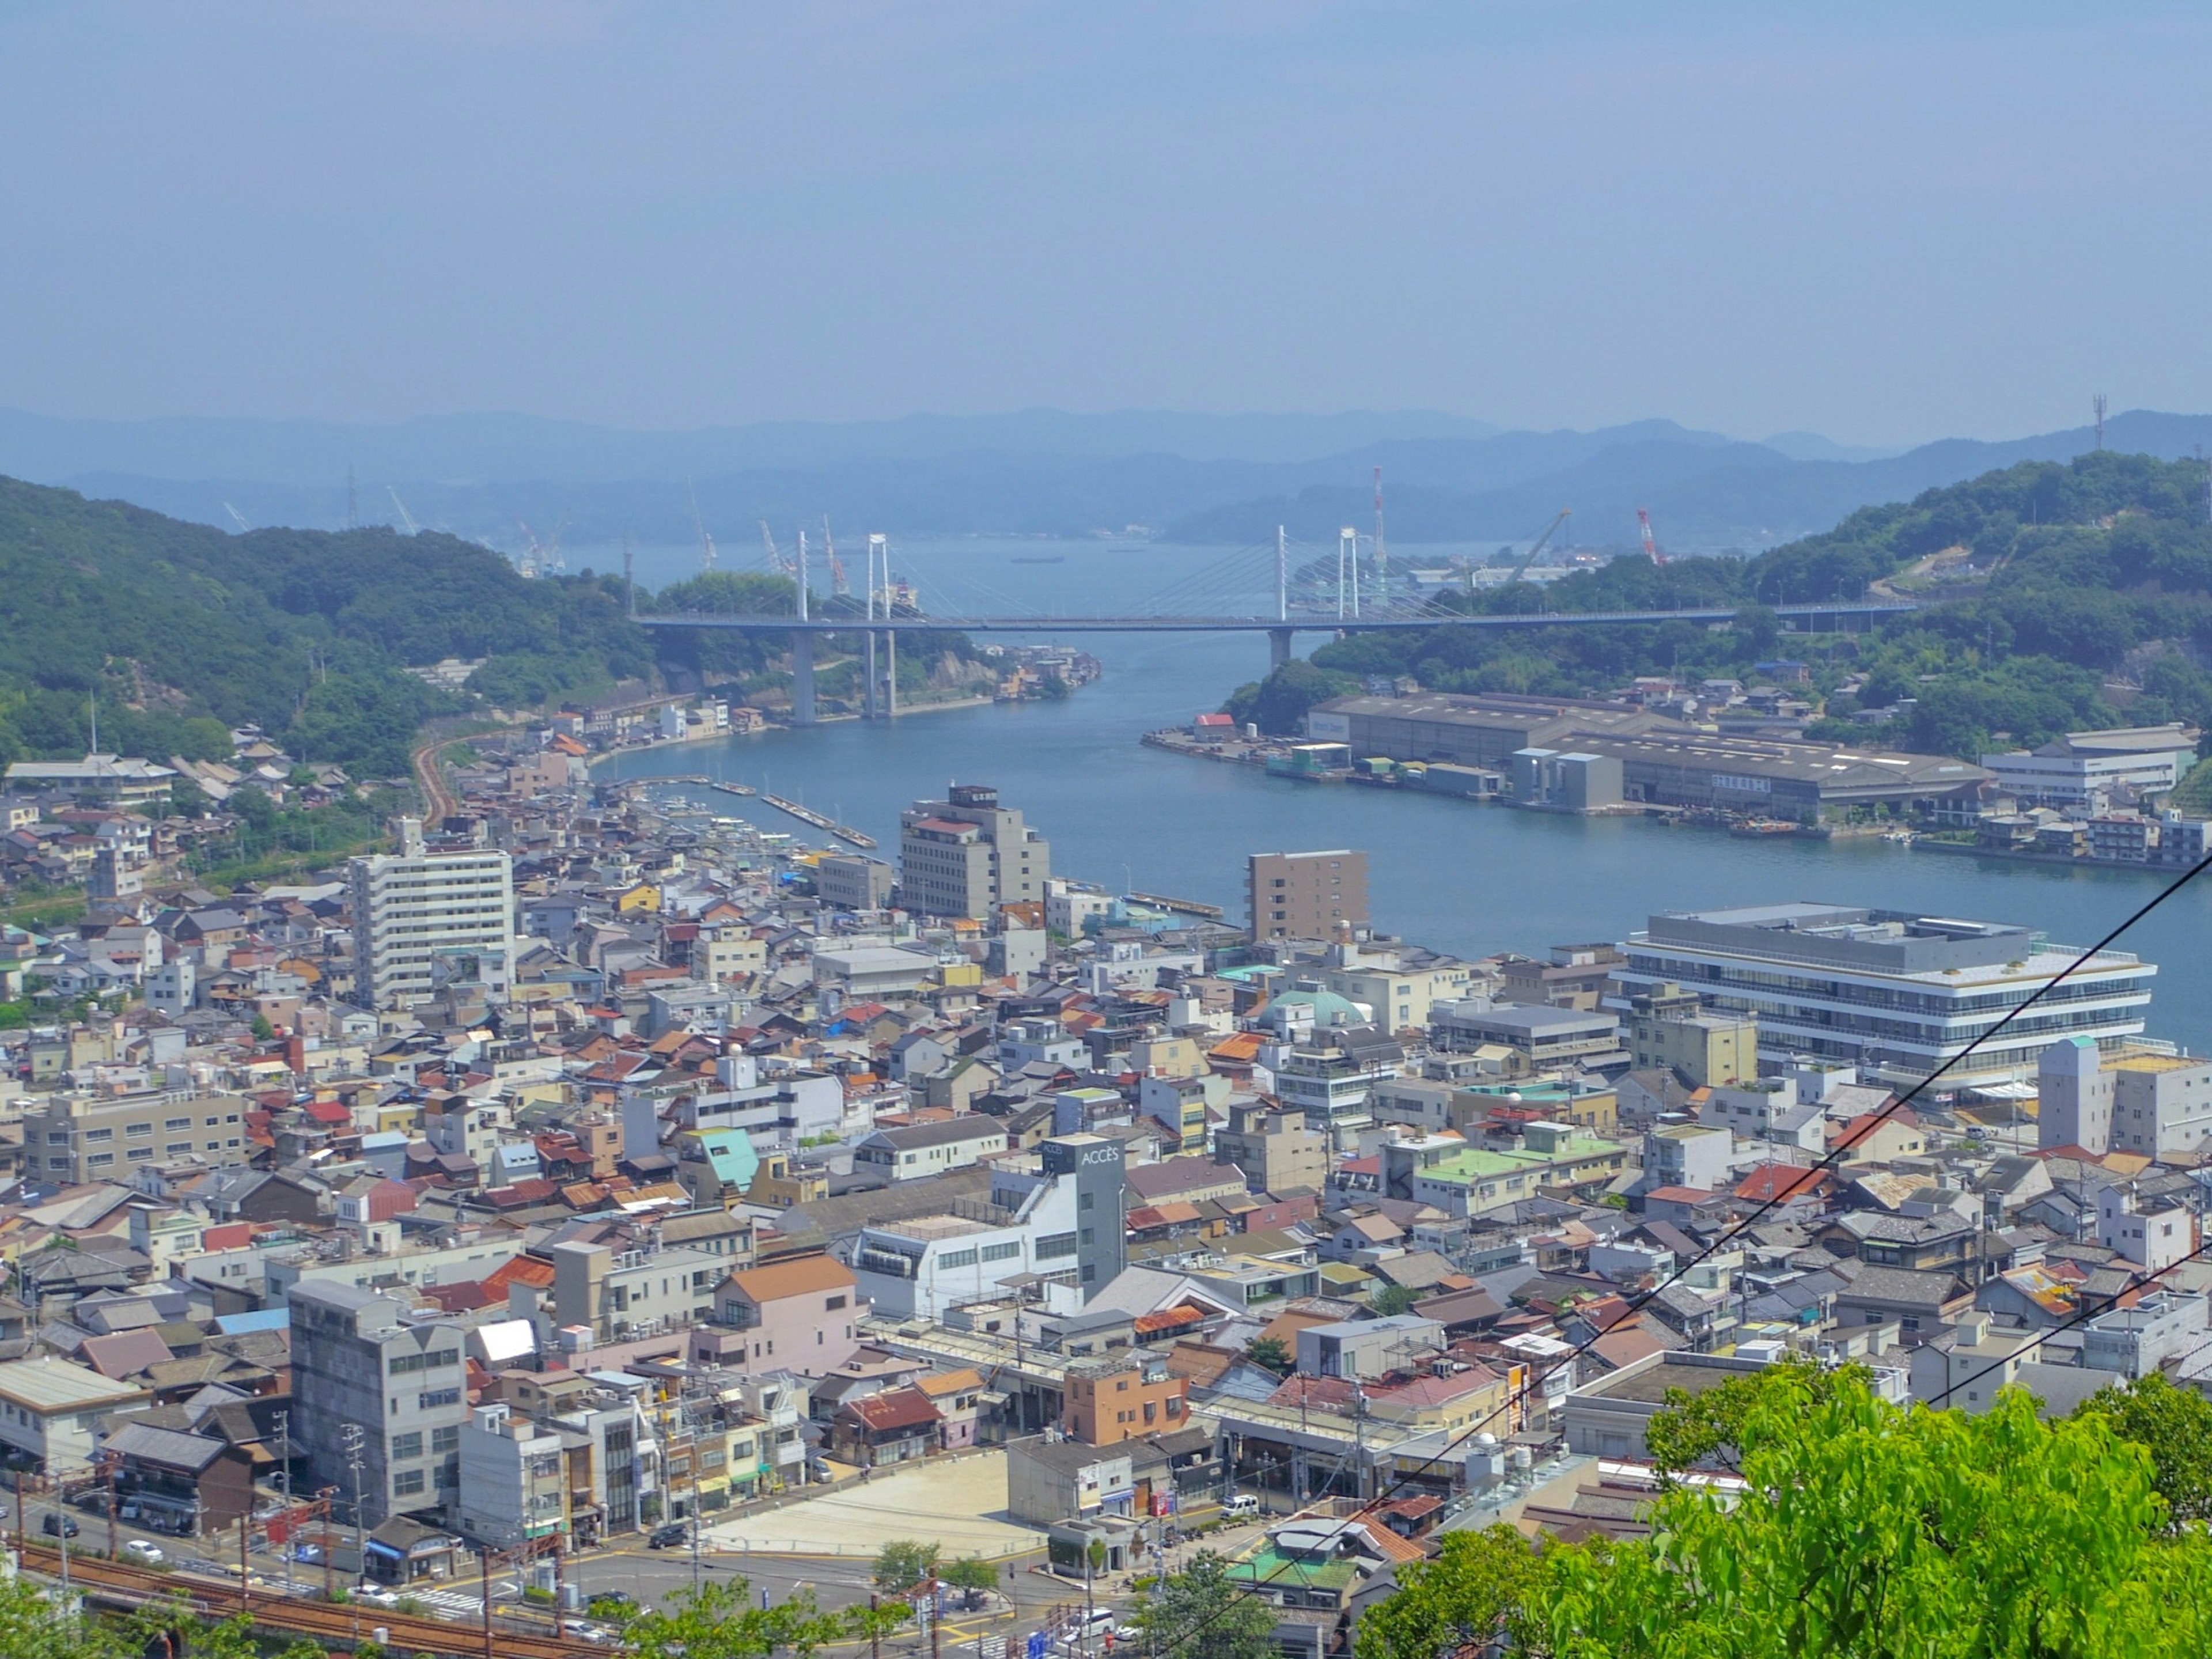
<point>2082,1317</point>
<point>1644,1298</point>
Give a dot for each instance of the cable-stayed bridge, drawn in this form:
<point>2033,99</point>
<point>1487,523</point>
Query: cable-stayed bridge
<point>1280,589</point>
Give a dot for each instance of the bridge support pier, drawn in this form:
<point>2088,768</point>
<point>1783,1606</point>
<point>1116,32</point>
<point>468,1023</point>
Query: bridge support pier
<point>1279,646</point>
<point>802,679</point>
<point>868,679</point>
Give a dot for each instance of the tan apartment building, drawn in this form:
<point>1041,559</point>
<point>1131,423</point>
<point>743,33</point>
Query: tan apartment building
<point>78,1137</point>
<point>1275,1151</point>
<point>1306,895</point>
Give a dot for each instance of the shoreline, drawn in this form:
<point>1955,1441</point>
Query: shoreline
<point>593,761</point>
<point>1171,740</point>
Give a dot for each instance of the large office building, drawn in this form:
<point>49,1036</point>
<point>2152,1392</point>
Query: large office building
<point>966,855</point>
<point>422,921</point>
<point>1894,994</point>
<point>1662,762</point>
<point>1306,895</point>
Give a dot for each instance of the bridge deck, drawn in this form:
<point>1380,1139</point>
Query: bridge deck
<point>1306,624</point>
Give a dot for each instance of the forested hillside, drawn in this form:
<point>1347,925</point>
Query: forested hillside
<point>180,630</point>
<point>2057,595</point>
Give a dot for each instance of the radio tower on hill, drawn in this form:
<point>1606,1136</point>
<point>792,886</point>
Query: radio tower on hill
<point>2097,403</point>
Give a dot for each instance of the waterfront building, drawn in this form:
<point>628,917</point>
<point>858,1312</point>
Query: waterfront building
<point>2082,771</point>
<point>1317,895</point>
<point>1894,994</point>
<point>426,921</point>
<point>1662,761</point>
<point>966,855</point>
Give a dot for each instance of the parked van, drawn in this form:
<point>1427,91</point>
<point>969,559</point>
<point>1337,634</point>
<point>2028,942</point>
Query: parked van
<point>1243,1507</point>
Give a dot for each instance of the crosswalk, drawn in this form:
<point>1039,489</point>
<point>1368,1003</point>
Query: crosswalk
<point>449,1604</point>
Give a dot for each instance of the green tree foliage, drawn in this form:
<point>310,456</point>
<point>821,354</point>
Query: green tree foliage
<point>2174,1425</point>
<point>180,631</point>
<point>1479,1587</point>
<point>1279,703</point>
<point>1201,1614</point>
<point>1705,1430</point>
<point>1862,1530</point>
<point>722,1622</point>
<point>1393,1299</point>
<point>1270,1354</point>
<point>903,1563</point>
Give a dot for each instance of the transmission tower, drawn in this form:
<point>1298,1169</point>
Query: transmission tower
<point>2097,403</point>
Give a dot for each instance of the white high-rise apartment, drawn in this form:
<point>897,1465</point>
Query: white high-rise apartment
<point>423,920</point>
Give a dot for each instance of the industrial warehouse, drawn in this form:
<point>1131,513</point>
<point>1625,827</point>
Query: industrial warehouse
<point>1584,754</point>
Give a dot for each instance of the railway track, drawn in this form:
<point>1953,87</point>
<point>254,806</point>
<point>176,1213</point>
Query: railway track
<point>127,1586</point>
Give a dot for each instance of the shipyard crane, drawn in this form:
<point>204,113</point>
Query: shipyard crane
<point>837,583</point>
<point>1650,545</point>
<point>699,524</point>
<point>777,564</point>
<point>405,517</point>
<point>237,518</point>
<point>1537,546</point>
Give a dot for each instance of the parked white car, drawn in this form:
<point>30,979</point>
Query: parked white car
<point>139,1550</point>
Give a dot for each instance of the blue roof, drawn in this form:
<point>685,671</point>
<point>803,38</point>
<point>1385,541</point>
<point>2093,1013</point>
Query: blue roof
<point>268,1319</point>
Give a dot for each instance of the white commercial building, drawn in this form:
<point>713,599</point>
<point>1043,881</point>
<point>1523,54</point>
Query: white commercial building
<point>1894,994</point>
<point>424,921</point>
<point>2144,1102</point>
<point>2082,771</point>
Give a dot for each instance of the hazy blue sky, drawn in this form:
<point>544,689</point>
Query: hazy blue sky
<point>1886,222</point>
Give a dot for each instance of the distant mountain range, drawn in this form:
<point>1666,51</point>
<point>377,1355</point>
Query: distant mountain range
<point>1188,478</point>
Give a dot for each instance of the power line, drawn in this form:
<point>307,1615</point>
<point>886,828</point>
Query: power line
<point>1643,1299</point>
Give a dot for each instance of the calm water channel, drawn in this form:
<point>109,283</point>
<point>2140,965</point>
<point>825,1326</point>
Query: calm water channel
<point>1459,877</point>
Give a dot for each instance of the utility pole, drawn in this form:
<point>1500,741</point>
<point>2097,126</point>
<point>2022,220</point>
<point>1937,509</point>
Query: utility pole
<point>484,1575</point>
<point>875,1628</point>
<point>284,1485</point>
<point>109,1460</point>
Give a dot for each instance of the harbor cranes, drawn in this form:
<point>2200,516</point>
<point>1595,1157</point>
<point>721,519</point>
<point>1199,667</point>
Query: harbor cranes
<point>838,584</point>
<point>777,564</point>
<point>1650,545</point>
<point>699,524</point>
<point>1537,546</point>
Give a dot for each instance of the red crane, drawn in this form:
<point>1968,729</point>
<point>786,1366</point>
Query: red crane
<point>1650,546</point>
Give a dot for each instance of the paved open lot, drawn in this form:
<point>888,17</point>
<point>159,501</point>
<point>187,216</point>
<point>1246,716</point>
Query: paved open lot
<point>958,1503</point>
